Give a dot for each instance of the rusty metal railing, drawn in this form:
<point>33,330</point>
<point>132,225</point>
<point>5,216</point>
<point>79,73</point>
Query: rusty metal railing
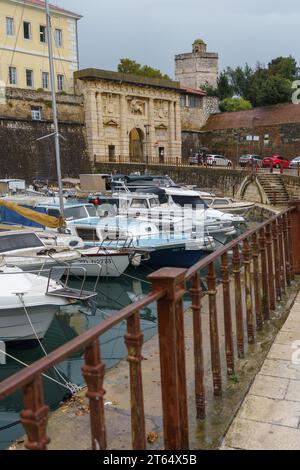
<point>256,269</point>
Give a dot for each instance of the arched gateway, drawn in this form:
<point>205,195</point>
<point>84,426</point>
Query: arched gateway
<point>136,145</point>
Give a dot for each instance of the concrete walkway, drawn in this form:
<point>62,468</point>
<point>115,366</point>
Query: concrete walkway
<point>270,414</point>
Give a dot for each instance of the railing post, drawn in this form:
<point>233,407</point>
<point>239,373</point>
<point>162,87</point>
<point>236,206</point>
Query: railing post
<point>214,330</point>
<point>295,235</point>
<point>290,253</point>
<point>196,296</point>
<point>93,373</point>
<point>257,286</point>
<point>287,250</point>
<point>34,417</point>
<point>272,298</point>
<point>134,341</point>
<point>172,356</point>
<point>264,274</point>
<point>281,255</point>
<point>276,259</point>
<point>236,261</point>
<point>248,291</point>
<point>229,349</point>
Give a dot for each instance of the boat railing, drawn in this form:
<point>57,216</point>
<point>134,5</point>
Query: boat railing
<point>257,270</point>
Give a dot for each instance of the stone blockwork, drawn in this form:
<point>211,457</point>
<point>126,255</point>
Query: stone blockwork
<point>198,68</point>
<point>19,104</point>
<point>276,127</point>
<point>193,119</point>
<point>130,117</point>
<point>22,156</point>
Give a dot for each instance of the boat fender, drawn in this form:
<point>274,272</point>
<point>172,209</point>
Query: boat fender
<point>72,242</point>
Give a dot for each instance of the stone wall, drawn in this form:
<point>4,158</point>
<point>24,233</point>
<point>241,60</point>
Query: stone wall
<point>22,156</point>
<point>19,102</point>
<point>283,139</point>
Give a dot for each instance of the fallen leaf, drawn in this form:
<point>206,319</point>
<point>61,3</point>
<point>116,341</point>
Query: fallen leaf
<point>152,437</point>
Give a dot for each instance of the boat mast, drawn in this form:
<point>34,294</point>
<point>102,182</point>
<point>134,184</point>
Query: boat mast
<point>54,107</point>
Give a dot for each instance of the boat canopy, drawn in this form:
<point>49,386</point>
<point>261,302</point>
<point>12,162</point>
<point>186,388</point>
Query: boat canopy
<point>36,216</point>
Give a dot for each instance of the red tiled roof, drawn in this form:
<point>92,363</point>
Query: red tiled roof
<point>41,3</point>
<point>256,117</point>
<point>193,91</point>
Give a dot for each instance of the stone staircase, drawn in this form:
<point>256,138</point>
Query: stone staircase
<point>275,189</point>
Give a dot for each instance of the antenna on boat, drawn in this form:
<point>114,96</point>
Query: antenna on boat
<point>54,107</point>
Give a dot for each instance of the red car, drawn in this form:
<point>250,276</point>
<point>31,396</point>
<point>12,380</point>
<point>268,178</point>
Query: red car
<point>276,161</point>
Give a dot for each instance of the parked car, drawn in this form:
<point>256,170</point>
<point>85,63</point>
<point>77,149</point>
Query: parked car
<point>249,160</point>
<point>194,159</point>
<point>218,160</point>
<point>276,161</point>
<point>295,162</point>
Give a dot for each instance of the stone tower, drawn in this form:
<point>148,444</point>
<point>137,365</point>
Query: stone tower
<point>198,68</point>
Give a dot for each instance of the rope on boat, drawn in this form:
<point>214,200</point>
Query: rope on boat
<point>73,388</point>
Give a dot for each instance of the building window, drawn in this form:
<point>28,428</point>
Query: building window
<point>29,78</point>
<point>10,27</point>
<point>195,101</point>
<point>12,74</point>
<point>36,113</point>
<point>59,37</point>
<point>45,80</point>
<point>43,34</point>
<point>27,30</point>
<point>60,82</point>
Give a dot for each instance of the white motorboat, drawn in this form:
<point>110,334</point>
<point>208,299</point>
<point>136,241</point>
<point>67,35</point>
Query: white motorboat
<point>27,251</point>
<point>228,205</point>
<point>26,309</point>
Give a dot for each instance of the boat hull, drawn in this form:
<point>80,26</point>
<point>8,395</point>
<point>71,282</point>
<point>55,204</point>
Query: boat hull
<point>14,325</point>
<point>100,265</point>
<point>175,258</point>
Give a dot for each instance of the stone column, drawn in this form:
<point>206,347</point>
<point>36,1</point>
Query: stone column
<point>91,124</point>
<point>151,136</point>
<point>171,130</point>
<point>101,136</point>
<point>124,147</point>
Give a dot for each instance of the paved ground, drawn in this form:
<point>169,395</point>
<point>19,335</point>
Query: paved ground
<point>270,415</point>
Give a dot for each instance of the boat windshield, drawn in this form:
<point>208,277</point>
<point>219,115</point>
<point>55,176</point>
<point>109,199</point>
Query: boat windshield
<point>194,201</point>
<point>80,212</point>
<point>19,241</point>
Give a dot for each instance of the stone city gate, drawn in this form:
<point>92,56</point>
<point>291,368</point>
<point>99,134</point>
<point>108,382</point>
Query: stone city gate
<point>130,118</point>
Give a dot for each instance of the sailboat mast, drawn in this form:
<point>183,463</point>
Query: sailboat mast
<point>54,108</point>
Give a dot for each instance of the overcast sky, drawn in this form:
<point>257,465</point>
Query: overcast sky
<point>153,31</point>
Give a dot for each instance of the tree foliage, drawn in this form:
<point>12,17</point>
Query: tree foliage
<point>131,66</point>
<point>261,86</point>
<point>234,104</point>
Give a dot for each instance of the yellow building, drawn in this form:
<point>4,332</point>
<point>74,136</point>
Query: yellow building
<point>24,59</point>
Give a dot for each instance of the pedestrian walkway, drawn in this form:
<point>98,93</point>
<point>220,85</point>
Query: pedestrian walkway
<point>270,414</point>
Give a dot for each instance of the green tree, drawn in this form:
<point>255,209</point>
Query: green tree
<point>131,66</point>
<point>266,89</point>
<point>286,67</point>
<point>234,104</point>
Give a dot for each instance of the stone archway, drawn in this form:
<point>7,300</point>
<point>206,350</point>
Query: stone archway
<point>136,145</point>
